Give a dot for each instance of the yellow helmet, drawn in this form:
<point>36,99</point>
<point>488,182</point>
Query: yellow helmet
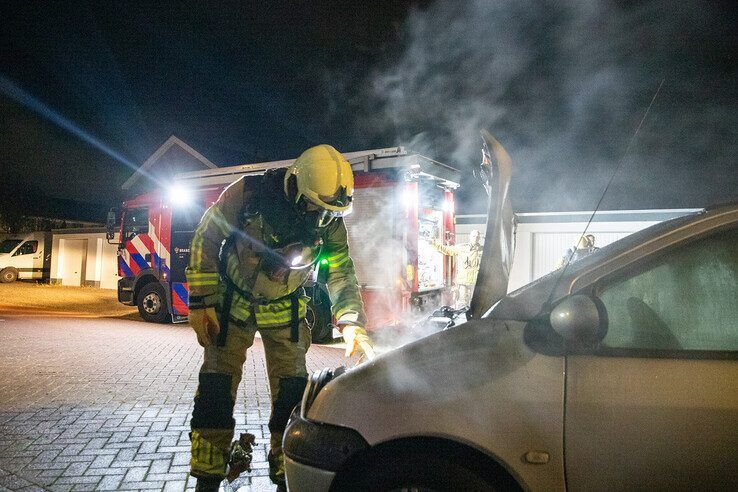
<point>320,179</point>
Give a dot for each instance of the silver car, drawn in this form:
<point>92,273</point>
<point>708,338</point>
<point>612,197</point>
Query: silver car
<point>619,372</point>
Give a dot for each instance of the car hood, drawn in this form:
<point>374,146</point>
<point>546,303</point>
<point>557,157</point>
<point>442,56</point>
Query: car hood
<point>440,370</point>
<point>494,271</point>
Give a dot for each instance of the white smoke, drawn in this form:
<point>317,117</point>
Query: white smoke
<point>563,85</point>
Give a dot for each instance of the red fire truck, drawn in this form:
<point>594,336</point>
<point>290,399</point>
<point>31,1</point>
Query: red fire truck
<point>403,202</point>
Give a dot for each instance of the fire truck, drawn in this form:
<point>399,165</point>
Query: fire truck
<point>403,203</point>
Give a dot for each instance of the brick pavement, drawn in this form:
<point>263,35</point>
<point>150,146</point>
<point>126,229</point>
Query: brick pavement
<point>96,404</point>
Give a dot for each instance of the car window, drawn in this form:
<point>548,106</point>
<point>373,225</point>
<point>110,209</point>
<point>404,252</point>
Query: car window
<point>27,248</point>
<point>686,300</point>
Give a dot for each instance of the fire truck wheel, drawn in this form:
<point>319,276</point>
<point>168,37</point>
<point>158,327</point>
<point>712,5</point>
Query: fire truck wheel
<point>8,275</point>
<point>152,303</point>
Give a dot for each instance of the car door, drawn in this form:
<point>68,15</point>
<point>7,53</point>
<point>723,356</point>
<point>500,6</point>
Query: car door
<point>27,259</point>
<point>656,406</point>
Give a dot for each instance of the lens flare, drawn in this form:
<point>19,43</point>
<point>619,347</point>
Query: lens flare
<point>21,96</point>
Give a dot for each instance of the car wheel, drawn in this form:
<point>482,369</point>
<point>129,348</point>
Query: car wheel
<point>421,472</point>
<point>152,303</point>
<point>8,275</point>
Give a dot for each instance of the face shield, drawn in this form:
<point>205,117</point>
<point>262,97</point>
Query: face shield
<point>322,214</point>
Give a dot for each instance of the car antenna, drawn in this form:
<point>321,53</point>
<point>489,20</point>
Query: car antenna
<point>607,187</point>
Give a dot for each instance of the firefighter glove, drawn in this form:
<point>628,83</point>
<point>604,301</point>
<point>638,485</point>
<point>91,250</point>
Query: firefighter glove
<point>357,338</point>
<point>205,323</point>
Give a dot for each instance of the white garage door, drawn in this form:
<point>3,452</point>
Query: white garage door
<point>549,247</point>
<point>74,257</point>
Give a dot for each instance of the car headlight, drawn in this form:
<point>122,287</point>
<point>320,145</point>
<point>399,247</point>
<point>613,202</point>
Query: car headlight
<point>317,382</point>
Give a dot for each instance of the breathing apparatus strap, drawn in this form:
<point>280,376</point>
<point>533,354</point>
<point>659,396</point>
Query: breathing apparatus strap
<point>231,288</point>
<point>295,316</point>
<point>225,309</point>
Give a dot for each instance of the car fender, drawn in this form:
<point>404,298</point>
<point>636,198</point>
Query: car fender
<point>477,383</point>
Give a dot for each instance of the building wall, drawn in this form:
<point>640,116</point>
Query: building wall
<point>541,240</point>
<point>84,257</point>
<point>540,246</point>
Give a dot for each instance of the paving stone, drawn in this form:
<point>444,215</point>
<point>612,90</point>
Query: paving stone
<point>106,405</point>
<point>160,466</point>
<point>135,474</point>
<point>76,480</point>
<point>32,488</point>
<point>76,469</point>
<point>102,461</point>
<point>110,482</point>
<point>175,486</point>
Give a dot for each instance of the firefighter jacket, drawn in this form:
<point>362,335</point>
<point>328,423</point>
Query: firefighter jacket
<point>254,216</point>
<point>468,258</point>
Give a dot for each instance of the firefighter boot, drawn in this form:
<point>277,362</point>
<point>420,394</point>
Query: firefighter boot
<point>207,485</point>
<point>287,380</point>
<point>289,395</point>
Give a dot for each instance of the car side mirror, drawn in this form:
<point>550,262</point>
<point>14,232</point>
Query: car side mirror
<point>581,321</point>
<point>111,224</point>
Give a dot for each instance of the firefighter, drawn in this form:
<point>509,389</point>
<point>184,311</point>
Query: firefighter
<point>585,246</point>
<point>251,253</point>
<point>468,257</point>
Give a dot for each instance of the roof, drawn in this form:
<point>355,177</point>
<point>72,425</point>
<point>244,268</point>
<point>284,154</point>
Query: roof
<point>149,163</point>
<point>80,230</point>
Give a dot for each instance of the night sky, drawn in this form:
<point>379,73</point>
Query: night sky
<point>88,89</point>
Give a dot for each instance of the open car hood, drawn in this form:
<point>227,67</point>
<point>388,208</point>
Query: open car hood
<point>497,256</point>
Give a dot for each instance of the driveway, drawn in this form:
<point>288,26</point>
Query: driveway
<point>104,404</point>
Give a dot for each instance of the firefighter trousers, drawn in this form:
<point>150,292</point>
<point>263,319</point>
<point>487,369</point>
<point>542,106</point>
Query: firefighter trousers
<point>463,295</point>
<point>212,418</point>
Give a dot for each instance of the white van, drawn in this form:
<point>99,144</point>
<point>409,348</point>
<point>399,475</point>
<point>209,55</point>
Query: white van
<point>26,256</point>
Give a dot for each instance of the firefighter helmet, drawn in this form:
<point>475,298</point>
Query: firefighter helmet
<point>320,183</point>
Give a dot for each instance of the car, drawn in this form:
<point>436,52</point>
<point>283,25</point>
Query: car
<point>616,372</point>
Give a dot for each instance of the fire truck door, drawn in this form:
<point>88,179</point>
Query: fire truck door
<point>184,222</point>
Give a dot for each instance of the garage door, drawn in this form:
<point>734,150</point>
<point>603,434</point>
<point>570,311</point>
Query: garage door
<point>74,257</point>
<point>549,247</point>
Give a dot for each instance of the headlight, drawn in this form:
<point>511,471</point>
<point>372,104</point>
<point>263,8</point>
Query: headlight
<point>316,382</point>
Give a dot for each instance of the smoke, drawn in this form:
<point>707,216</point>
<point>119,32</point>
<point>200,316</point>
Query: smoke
<point>563,85</point>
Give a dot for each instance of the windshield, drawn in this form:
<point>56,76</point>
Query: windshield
<point>9,245</point>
